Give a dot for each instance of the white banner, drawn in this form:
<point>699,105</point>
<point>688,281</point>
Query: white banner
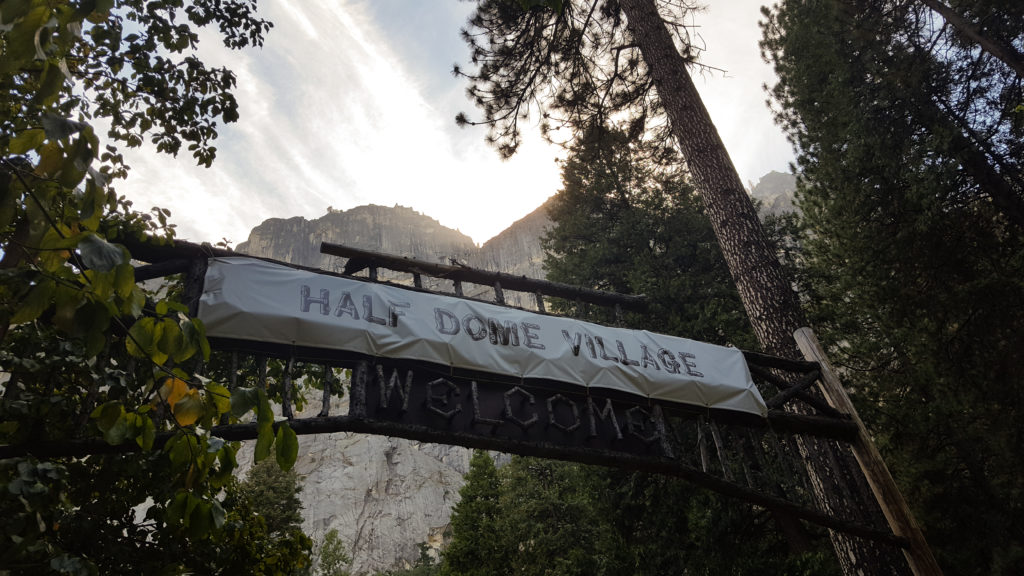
<point>252,299</point>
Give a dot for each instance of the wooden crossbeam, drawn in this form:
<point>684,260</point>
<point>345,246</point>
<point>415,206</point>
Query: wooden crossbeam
<point>361,259</point>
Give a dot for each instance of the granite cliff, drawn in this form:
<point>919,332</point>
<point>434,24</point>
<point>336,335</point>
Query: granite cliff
<point>775,191</point>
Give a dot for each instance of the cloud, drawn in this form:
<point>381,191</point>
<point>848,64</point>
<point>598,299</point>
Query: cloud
<point>351,103</point>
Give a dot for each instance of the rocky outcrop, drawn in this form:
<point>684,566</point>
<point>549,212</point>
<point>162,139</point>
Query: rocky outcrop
<point>383,495</point>
<point>775,191</point>
<point>399,230</point>
<point>517,249</point>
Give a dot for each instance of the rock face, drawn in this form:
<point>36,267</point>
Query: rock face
<point>386,495</point>
<point>399,230</point>
<point>775,191</point>
<point>383,495</point>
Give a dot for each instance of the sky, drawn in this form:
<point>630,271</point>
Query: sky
<point>352,102</point>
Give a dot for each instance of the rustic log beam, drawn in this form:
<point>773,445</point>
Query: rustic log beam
<point>818,404</point>
<point>777,420</point>
<point>486,277</point>
<point>657,465</point>
<point>799,386</point>
<point>769,361</point>
<point>161,269</point>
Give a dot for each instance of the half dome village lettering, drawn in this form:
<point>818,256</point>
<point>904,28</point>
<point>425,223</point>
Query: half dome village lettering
<point>499,333</point>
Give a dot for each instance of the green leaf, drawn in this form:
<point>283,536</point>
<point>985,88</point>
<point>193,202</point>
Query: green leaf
<point>100,255</point>
<point>124,280</point>
<point>226,459</point>
<point>103,7</point>
<point>72,171</point>
<point>196,333</point>
<point>19,42</point>
<point>134,302</point>
<point>50,83</point>
<point>38,300</point>
<point>145,440</point>
<point>192,340</point>
<point>181,449</point>
<point>27,140</point>
<point>66,299</point>
<point>177,508</point>
<point>58,127</point>
<point>15,9</point>
<point>107,415</point>
<point>92,203</point>
<point>287,447</point>
<point>140,337</point>
<point>170,342</point>
<point>188,409</point>
<point>51,156</point>
<point>143,338</point>
<point>219,396</point>
<point>200,520</point>
<point>121,429</point>
<point>264,442</point>
<point>91,322</point>
<point>243,400</point>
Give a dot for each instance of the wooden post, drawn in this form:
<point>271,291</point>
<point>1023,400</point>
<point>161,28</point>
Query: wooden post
<point>232,384</point>
<point>261,372</point>
<point>286,390</point>
<point>499,295</point>
<point>325,403</point>
<point>901,519</point>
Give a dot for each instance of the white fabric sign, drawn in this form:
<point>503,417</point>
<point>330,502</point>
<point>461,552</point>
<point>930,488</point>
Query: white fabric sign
<point>252,299</point>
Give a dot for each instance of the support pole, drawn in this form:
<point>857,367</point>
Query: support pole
<point>901,519</point>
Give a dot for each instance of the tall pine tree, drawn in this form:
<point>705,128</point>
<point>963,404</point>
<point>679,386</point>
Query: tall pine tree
<point>475,549</point>
<point>630,225</point>
<point>915,266</point>
<point>624,223</point>
<point>593,61</point>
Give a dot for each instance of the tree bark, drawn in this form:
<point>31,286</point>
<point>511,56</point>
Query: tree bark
<point>766,291</point>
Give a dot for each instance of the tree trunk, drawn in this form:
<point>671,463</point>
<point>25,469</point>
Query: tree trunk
<point>767,293</point>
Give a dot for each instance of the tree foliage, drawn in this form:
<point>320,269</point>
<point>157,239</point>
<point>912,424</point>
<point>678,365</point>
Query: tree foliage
<point>87,353</point>
<point>566,64</point>
<point>907,135</point>
<point>425,565</point>
<point>332,559</point>
<point>132,63</point>
<point>625,224</point>
<point>897,67</point>
<point>262,531</point>
<point>475,549</point>
<point>560,519</point>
